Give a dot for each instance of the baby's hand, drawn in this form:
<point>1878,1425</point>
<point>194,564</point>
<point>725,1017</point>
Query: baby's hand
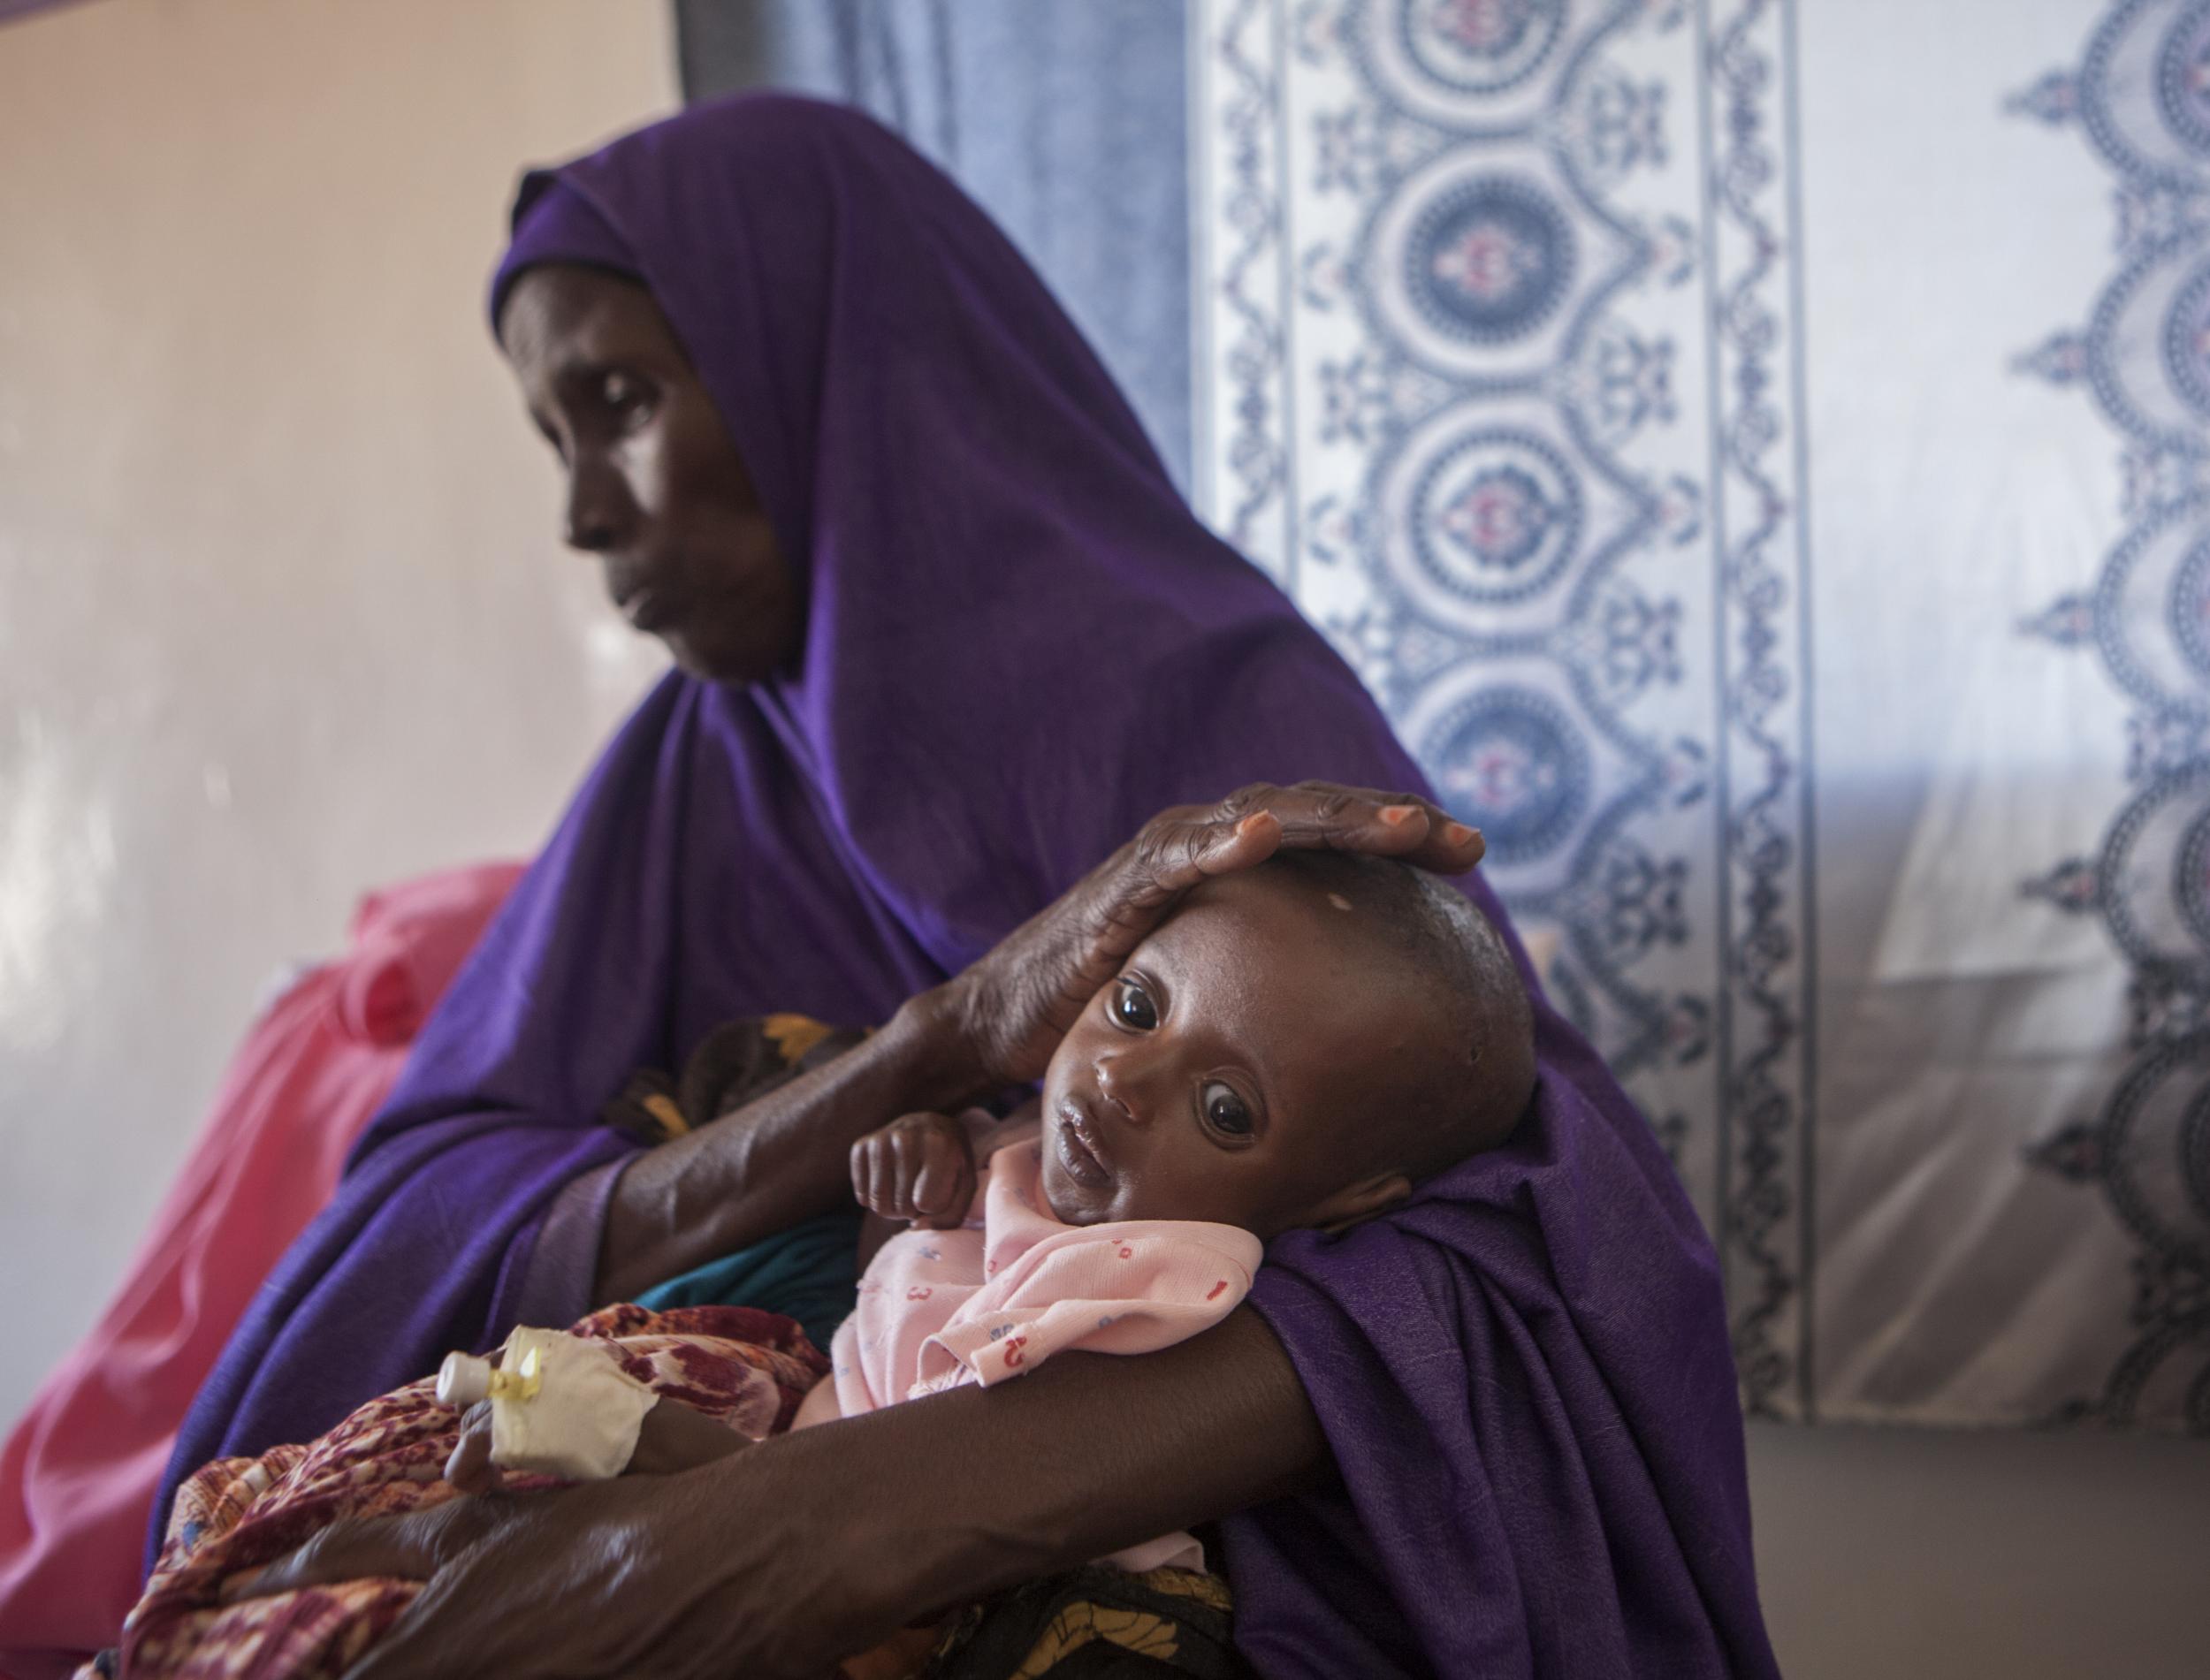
<point>920,1168</point>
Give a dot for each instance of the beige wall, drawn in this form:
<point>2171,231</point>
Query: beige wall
<point>282,616</point>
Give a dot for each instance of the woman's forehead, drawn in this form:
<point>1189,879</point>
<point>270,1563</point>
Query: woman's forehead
<point>550,309</point>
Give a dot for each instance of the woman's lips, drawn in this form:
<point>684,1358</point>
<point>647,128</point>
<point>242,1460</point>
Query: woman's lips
<point>646,608</point>
<point>1076,1138</point>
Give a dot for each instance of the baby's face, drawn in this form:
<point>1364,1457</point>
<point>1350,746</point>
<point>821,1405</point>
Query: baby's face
<point>1222,1076</point>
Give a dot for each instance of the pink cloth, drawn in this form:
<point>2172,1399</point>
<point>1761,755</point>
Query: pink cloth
<point>1016,1284</point>
<point>78,1472</point>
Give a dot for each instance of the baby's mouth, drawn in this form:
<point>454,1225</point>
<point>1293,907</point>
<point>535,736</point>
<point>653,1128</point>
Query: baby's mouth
<point>1075,1138</point>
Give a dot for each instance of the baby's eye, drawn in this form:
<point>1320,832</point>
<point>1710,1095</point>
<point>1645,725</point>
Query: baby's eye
<point>1131,1007</point>
<point>1224,1110</point>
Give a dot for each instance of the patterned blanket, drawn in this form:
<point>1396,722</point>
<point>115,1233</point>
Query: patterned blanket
<point>239,1514</point>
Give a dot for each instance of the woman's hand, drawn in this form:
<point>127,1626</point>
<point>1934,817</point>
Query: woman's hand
<point>714,1572</point>
<point>1011,1009</point>
<point>792,1554</point>
<point>918,1170</point>
<point>671,1437</point>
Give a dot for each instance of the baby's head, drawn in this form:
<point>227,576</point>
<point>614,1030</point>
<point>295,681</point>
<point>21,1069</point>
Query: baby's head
<point>1298,1044</point>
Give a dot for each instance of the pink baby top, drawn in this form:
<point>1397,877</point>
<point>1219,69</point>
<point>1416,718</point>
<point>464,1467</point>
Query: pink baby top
<point>1017,1284</point>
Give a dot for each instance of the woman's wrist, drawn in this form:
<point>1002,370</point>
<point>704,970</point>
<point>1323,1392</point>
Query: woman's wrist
<point>943,1067</point>
<point>781,1158</point>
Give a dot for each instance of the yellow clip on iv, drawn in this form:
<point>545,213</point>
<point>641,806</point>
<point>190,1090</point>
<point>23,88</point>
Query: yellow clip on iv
<point>562,1405</point>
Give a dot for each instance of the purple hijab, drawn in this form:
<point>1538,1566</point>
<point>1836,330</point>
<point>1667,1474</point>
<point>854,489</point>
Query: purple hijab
<point>1019,645</point>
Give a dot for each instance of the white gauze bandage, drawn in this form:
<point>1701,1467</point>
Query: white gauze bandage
<point>562,1405</point>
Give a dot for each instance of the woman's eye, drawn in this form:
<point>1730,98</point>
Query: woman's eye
<point>621,393</point>
<point>1224,1110</point>
<point>1132,1006</point>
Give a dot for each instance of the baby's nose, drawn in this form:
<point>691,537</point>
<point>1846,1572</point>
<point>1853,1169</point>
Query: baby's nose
<point>1116,1083</point>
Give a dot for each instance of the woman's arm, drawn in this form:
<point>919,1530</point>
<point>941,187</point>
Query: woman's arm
<point>778,1560</point>
<point>778,1160</point>
<point>1090,1454</point>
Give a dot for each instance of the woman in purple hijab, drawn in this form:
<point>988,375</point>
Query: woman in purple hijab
<point>946,635</point>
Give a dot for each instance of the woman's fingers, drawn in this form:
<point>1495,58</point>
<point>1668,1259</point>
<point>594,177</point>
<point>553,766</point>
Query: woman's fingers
<point>1315,814</point>
<point>1178,848</point>
<point>421,1644</point>
<point>675,1437</point>
<point>410,1547</point>
<point>1181,847</point>
<point>469,1467</point>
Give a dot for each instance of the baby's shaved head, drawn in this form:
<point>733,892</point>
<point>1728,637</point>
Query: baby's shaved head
<point>1468,1081</point>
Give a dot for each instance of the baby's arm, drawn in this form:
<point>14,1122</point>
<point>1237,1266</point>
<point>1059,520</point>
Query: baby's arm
<point>918,1170</point>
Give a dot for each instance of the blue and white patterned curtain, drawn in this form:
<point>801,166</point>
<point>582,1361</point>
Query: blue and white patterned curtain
<point>1755,450</point>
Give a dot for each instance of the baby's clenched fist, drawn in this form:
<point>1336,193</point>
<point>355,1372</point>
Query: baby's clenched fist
<point>919,1168</point>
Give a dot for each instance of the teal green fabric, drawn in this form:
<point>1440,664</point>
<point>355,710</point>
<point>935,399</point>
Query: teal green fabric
<point>810,1272</point>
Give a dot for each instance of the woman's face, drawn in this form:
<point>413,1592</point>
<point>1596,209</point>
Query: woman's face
<point>655,487</point>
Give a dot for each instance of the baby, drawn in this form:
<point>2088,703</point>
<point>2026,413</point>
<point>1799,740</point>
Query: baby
<point>1298,1045</point>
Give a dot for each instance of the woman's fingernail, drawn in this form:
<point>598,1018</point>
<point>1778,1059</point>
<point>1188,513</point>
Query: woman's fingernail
<point>1252,822</point>
<point>1458,834</point>
<point>1398,816</point>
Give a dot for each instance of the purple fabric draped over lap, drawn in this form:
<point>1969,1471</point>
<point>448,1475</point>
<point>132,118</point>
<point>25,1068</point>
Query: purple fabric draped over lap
<point>1019,645</point>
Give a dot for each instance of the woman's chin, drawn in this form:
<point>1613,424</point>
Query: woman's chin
<point>707,664</point>
<point>713,662</point>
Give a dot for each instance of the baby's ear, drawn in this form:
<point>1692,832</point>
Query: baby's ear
<point>1359,1202</point>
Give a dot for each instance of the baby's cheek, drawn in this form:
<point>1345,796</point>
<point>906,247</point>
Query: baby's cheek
<point>1225,1190</point>
<point>1059,1196</point>
<point>1068,1056</point>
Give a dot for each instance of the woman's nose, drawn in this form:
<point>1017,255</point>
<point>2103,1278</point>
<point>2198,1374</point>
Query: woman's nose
<point>599,511</point>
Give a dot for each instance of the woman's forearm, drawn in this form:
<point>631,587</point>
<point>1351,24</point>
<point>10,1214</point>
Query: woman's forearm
<point>783,1557</point>
<point>775,1161</point>
<point>1088,1454</point>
